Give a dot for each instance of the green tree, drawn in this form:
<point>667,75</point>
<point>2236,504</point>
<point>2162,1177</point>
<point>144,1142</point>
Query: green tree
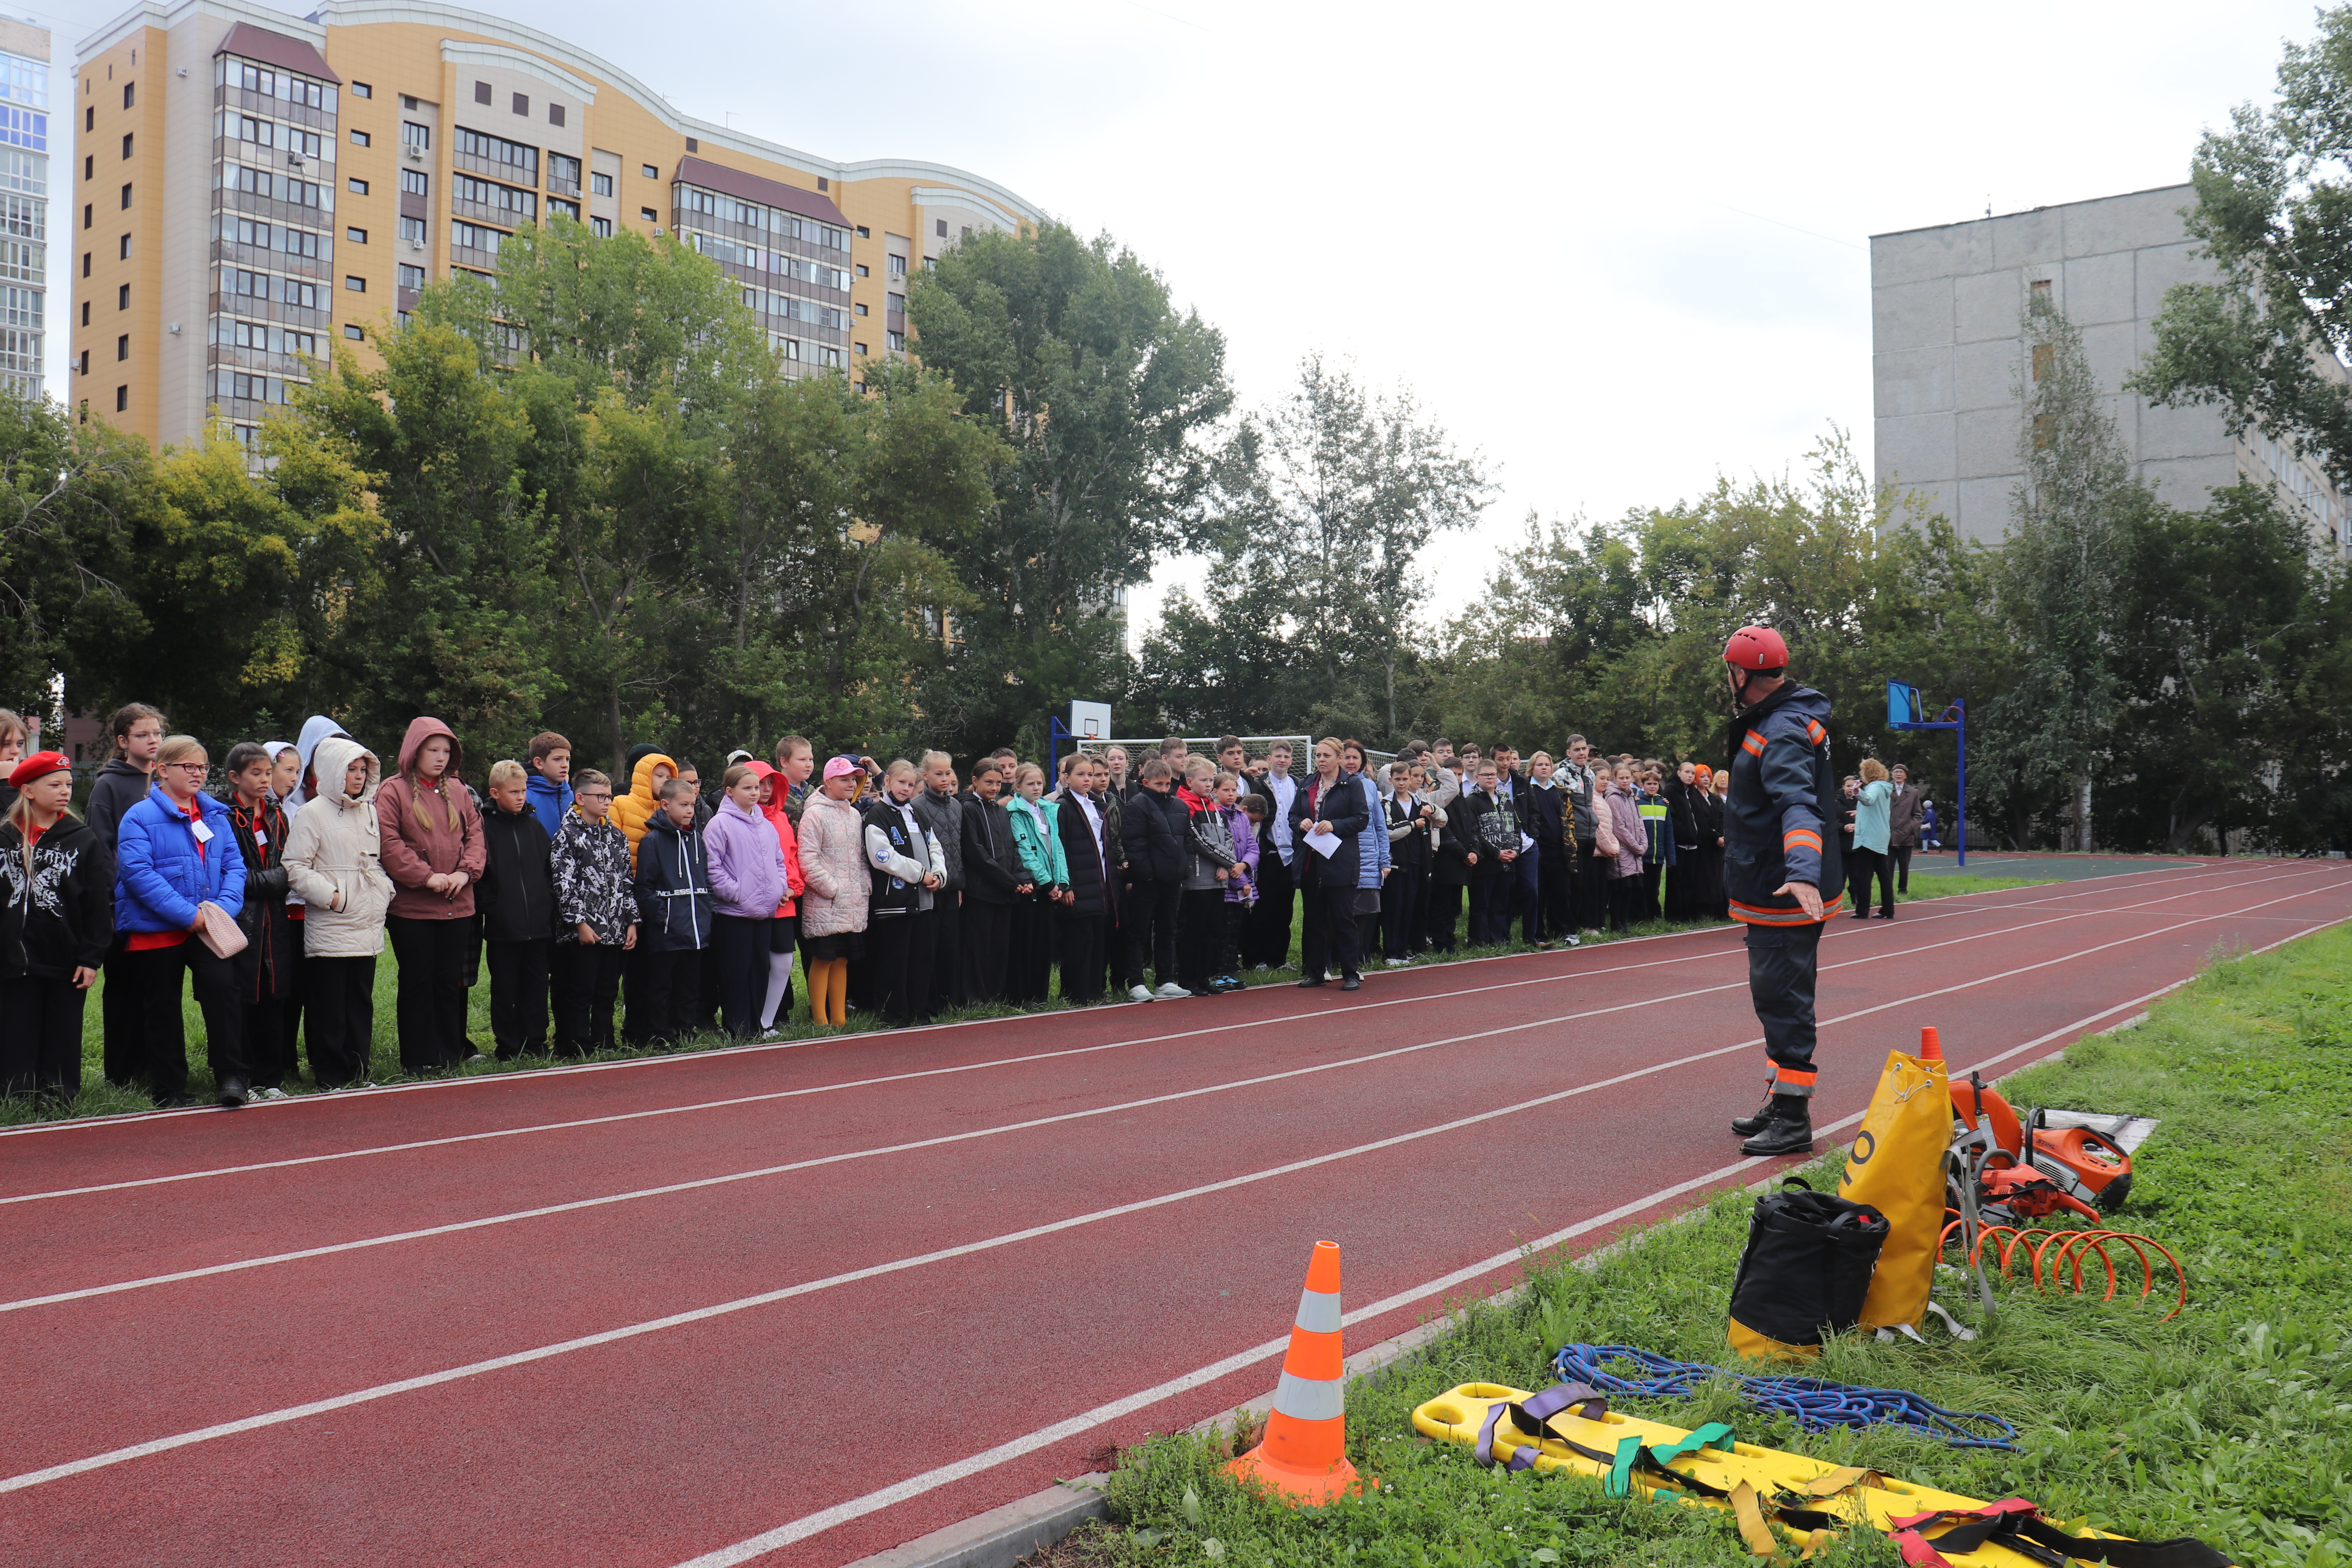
<point>1103,392</point>
<point>2073,518</point>
<point>449,612</point>
<point>2272,199</point>
<point>72,499</point>
<point>1326,502</point>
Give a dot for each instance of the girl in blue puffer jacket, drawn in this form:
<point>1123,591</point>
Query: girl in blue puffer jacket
<point>174,850</point>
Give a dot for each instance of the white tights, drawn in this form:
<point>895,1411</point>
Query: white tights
<point>780,974</point>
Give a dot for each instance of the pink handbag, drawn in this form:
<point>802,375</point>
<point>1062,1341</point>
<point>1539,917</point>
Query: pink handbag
<point>218,931</point>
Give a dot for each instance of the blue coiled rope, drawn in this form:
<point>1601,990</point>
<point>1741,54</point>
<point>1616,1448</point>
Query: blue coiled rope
<point>1815,1404</point>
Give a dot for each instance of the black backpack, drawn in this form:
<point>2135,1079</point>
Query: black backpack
<point>1807,1267</point>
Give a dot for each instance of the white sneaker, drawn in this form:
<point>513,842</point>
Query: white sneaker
<point>1571,941</point>
<point>1260,968</point>
<point>1397,963</point>
<point>268,1094</point>
<point>1169,992</point>
<point>1139,994</point>
<point>476,1057</point>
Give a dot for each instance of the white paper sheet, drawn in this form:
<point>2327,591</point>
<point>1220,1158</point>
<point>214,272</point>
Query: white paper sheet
<point>1324,844</point>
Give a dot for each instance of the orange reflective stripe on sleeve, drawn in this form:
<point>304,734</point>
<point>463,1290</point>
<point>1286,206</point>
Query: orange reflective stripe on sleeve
<point>1797,836</point>
<point>1814,732</point>
<point>1753,745</point>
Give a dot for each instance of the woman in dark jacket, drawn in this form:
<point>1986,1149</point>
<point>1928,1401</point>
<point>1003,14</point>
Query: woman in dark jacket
<point>1332,802</point>
<point>57,921</point>
<point>1707,813</point>
<point>266,969</point>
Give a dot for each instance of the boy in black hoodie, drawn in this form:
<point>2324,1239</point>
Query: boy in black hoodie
<point>121,784</point>
<point>57,920</point>
<point>516,901</point>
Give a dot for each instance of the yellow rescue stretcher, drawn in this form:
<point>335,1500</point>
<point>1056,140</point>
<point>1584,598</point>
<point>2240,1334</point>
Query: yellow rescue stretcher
<point>1785,1503</point>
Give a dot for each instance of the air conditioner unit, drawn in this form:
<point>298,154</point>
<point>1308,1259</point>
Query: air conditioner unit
<point>294,161</point>
<point>415,153</point>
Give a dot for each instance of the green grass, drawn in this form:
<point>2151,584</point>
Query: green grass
<point>99,1097</point>
<point>2233,1423</point>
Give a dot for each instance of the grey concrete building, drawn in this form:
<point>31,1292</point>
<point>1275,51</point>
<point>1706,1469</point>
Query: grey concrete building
<point>1946,352</point>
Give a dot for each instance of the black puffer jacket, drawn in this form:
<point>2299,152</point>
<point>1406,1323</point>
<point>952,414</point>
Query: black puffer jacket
<point>516,896</point>
<point>943,814</point>
<point>991,861</point>
<point>1088,884</point>
<point>1157,832</point>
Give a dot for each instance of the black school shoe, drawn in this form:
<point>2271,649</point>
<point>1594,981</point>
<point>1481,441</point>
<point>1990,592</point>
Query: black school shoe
<point>1353,983</point>
<point>1311,985</point>
<point>232,1093</point>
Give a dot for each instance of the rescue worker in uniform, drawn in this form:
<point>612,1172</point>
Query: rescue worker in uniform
<point>1781,870</point>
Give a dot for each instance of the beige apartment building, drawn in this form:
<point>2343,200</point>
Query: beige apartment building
<point>251,191</point>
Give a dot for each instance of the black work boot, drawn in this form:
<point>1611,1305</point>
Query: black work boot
<point>1748,1126</point>
<point>1788,1128</point>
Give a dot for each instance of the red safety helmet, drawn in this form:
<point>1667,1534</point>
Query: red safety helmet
<point>1756,649</point>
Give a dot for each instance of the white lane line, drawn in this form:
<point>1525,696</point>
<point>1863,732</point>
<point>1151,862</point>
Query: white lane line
<point>941,1477</point>
<point>609,1199</point>
<point>575,1123</point>
<point>1086,1421</point>
<point>1942,908</point>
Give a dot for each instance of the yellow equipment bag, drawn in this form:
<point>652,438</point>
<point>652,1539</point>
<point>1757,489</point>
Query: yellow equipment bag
<point>1896,1167</point>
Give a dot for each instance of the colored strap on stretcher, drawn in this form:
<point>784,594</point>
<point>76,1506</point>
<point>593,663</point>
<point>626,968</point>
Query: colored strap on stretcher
<point>1533,1416</point>
<point>2016,1524</point>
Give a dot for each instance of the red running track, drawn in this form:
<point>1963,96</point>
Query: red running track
<point>795,1304</point>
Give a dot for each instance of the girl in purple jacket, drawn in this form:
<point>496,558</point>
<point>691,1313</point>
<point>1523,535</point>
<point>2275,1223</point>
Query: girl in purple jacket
<point>747,883</point>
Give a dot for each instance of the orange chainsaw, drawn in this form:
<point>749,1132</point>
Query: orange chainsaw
<point>2025,1171</point>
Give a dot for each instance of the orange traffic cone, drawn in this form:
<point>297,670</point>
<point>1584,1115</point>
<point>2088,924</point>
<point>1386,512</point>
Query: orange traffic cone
<point>1931,1046</point>
<point>1304,1454</point>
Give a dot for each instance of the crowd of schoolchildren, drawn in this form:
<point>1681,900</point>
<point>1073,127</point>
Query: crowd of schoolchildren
<point>268,888</point>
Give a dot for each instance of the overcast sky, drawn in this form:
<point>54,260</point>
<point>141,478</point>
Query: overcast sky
<point>1615,249</point>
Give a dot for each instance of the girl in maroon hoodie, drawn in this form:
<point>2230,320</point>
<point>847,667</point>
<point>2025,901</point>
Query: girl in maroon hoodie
<point>433,850</point>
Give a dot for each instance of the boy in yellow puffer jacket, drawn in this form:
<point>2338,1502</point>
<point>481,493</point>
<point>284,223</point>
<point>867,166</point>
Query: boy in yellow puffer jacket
<point>634,810</point>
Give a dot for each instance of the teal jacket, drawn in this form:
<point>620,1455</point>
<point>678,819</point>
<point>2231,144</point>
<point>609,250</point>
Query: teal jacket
<point>1870,816</point>
<point>1041,857</point>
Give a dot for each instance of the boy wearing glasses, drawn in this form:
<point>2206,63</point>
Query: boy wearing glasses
<point>597,916</point>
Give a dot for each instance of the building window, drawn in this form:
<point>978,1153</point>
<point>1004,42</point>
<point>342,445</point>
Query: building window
<point>895,302</point>
<point>361,89</point>
<point>85,263</point>
<point>898,343</point>
<point>89,165</point>
<point>602,227</point>
<point>967,231</point>
<point>357,187</point>
<point>90,119</point>
<point>864,232</point>
<point>692,145</point>
<point>651,173</point>
<point>823,183</point>
<point>861,348</point>
<point>122,347</point>
<point>126,198</point>
<point>564,170</point>
<point>861,308</point>
<point>409,277</point>
<point>85,313</point>
<point>481,92</point>
<point>600,185</point>
<point>412,230</point>
<point>649,215</point>
<point>523,104</point>
<point>415,182</point>
<point>85,361</point>
<point>356,236</point>
<point>122,298</point>
<point>940,227</point>
<point>356,333</point>
<point>861,270</point>
<point>121,400</point>
<point>407,101</point>
<point>356,285</point>
<point>568,209</point>
<point>415,135</point>
<point>555,114</point>
<point>126,146</point>
<point>361,138</point>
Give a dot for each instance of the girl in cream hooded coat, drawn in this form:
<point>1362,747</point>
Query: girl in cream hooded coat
<point>334,858</point>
